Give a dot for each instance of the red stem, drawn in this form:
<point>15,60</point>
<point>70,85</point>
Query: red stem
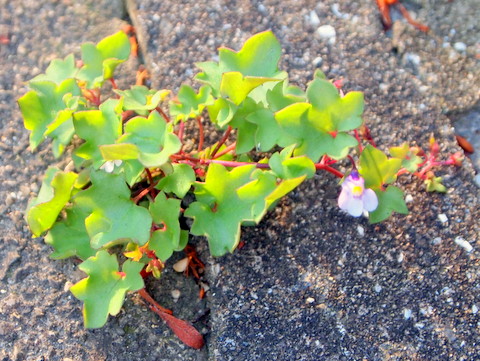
<point>163,114</point>
<point>114,85</point>
<point>222,141</point>
<point>226,150</point>
<point>360,148</point>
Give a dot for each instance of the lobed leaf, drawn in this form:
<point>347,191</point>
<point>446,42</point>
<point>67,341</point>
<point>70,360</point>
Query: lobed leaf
<point>42,211</point>
<point>189,104</point>
<point>389,201</point>
<point>103,291</point>
<point>377,169</point>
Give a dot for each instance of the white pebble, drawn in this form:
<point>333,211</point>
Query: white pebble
<point>327,32</point>
<point>181,265</point>
<point>313,19</point>
<point>175,294</point>
<point>407,313</point>
<point>336,12</point>
<point>400,257</point>
<point>474,309</point>
<point>361,231</point>
<point>436,241</point>
<point>464,244</point>
<point>443,218</point>
<point>318,61</point>
<point>412,58</point>
<point>408,198</point>
<point>477,179</point>
<point>377,288</point>
<point>460,47</point>
<point>310,300</point>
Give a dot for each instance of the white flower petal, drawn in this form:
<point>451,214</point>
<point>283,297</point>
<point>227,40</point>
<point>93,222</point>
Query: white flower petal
<point>355,207</point>
<point>370,200</point>
<point>344,198</point>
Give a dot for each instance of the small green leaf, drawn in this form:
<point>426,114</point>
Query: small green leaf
<point>377,169</point>
<point>190,104</point>
<point>179,182</point>
<point>59,70</point>
<point>221,112</point>
<point>112,215</point>
<point>141,99</point>
<point>97,127</point>
<point>69,237</point>
<point>54,194</point>
<point>100,61</point>
<point>103,291</point>
<point>119,151</point>
<point>258,57</point>
<point>153,137</point>
<point>410,160</point>
<point>165,212</point>
<point>236,86</point>
<point>388,201</point>
<point>434,184</point>
<point>46,114</point>
<point>286,167</point>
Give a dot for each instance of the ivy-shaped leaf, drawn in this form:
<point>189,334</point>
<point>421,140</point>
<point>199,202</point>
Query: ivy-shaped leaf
<point>410,160</point>
<point>189,104</point>
<point>100,61</point>
<point>179,182</point>
<point>287,167</point>
<point>112,214</point>
<point>97,127</point>
<point>69,237</point>
<point>389,201</point>
<point>140,99</point>
<point>150,140</point>
<point>377,169</point>
<point>165,212</point>
<point>237,73</point>
<point>42,211</point>
<point>301,125</point>
<point>46,113</point>
<point>103,291</point>
<point>59,70</point>
<point>218,211</point>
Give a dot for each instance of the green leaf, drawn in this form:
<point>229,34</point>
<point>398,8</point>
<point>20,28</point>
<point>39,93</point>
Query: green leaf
<point>140,99</point>
<point>258,57</point>
<point>97,127</point>
<point>236,86</point>
<point>286,167</point>
<point>283,95</point>
<point>335,113</point>
<point>54,194</point>
<point>221,112</point>
<point>153,137</point>
<point>69,237</point>
<point>189,104</point>
<point>165,212</point>
<point>103,291</point>
<point>434,184</point>
<point>218,211</point>
<point>377,169</point>
<point>100,61</point>
<point>388,201</point>
<point>179,182</point>
<point>410,160</point>
<point>112,215</point>
<point>303,126</point>
<point>45,113</point>
<point>59,70</point>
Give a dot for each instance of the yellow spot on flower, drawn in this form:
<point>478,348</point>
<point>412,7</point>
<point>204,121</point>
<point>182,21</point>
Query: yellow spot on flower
<point>357,191</point>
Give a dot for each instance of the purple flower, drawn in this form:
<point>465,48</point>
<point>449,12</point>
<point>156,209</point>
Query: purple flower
<point>354,198</point>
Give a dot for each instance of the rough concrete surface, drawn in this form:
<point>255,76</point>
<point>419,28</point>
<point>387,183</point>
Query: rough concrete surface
<point>311,283</point>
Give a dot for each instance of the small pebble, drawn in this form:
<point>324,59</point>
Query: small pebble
<point>313,19</point>
<point>407,313</point>
<point>464,244</point>
<point>181,265</point>
<point>477,179</point>
<point>460,47</point>
<point>310,300</point>
<point>377,288</point>
<point>474,309</point>
<point>443,218</point>
<point>361,231</point>
<point>318,61</point>
<point>175,294</point>
<point>436,241</point>
<point>327,32</point>
<point>408,198</point>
